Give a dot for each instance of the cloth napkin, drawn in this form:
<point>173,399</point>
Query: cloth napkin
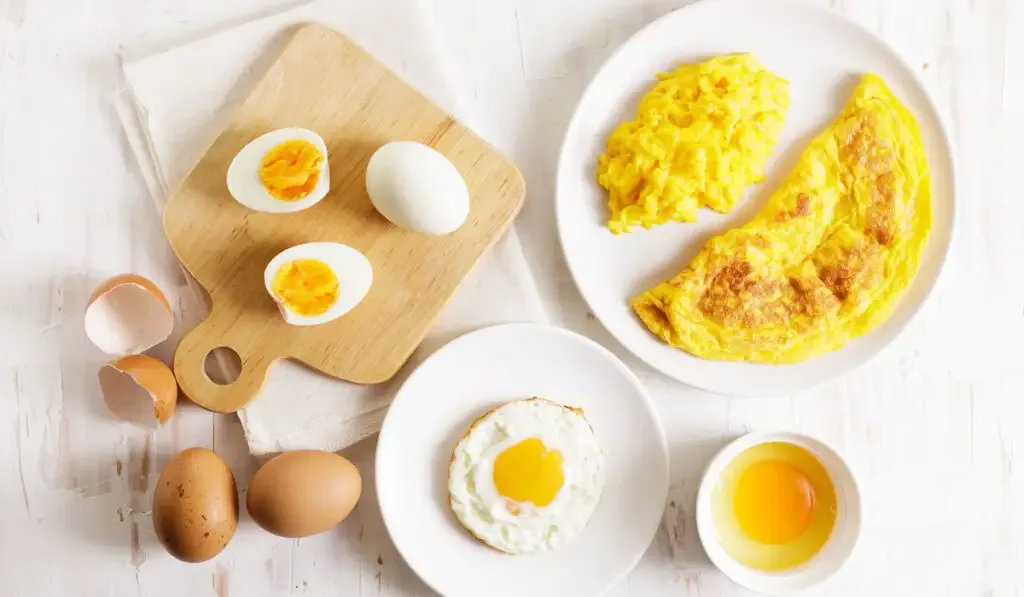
<point>176,98</point>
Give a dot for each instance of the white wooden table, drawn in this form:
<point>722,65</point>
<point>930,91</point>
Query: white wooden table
<point>935,426</point>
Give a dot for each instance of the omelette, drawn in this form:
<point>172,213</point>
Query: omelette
<point>701,136</point>
<point>827,257</point>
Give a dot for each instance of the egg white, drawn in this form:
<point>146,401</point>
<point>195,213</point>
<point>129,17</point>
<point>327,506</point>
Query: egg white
<point>475,499</point>
<point>243,177</point>
<point>352,268</point>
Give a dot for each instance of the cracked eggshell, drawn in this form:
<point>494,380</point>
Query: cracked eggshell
<point>139,389</point>
<point>128,314</point>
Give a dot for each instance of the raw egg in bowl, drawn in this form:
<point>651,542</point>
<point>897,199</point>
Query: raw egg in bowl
<point>778,512</point>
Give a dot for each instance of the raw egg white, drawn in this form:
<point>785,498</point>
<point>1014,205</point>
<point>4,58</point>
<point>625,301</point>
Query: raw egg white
<point>318,282</point>
<point>527,476</point>
<point>774,506</point>
<point>282,171</point>
<point>417,188</point>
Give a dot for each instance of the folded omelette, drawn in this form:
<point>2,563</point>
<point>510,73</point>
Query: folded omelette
<point>827,257</point>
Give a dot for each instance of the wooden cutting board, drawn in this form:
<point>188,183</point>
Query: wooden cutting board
<point>325,82</point>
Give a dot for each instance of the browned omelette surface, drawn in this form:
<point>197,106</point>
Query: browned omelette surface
<point>824,261</point>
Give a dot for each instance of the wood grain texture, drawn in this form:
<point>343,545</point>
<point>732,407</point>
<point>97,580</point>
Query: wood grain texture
<point>324,82</point>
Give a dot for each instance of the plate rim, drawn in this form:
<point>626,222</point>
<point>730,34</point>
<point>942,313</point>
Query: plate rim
<point>944,130</point>
<point>630,376</point>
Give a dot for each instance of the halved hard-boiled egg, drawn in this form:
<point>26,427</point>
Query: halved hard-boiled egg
<point>527,476</point>
<point>282,171</point>
<point>319,282</point>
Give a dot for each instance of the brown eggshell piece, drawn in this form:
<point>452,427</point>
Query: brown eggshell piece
<point>195,505</point>
<point>303,493</point>
<point>139,389</point>
<point>128,314</point>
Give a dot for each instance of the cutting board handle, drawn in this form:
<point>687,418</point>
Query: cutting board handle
<point>190,368</point>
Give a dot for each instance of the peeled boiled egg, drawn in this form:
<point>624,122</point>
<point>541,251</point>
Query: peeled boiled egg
<point>318,282</point>
<point>417,188</point>
<point>139,389</point>
<point>128,314</point>
<point>303,493</point>
<point>282,171</point>
<point>774,506</point>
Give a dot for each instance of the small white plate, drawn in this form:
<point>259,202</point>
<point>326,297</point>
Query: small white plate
<point>833,555</point>
<point>822,54</point>
<point>476,373</point>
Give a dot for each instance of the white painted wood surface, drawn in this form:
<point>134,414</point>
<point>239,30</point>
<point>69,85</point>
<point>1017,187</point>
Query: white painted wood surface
<point>935,426</point>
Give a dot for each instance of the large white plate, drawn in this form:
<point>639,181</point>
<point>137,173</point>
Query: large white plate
<point>472,375</point>
<point>822,55</point>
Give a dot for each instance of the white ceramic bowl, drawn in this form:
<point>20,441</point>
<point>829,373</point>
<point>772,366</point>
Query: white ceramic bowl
<point>833,554</point>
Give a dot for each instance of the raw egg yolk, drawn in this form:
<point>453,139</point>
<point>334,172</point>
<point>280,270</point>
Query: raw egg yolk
<point>291,170</point>
<point>306,286</point>
<point>774,502</point>
<point>528,472</point>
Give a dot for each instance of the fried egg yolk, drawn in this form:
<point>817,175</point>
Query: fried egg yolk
<point>307,287</point>
<point>290,171</point>
<point>774,502</point>
<point>528,472</point>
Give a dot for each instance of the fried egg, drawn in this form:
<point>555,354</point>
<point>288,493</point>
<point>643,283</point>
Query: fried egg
<point>527,476</point>
<point>282,171</point>
<point>824,261</point>
<point>700,138</point>
<point>774,506</point>
<point>316,283</point>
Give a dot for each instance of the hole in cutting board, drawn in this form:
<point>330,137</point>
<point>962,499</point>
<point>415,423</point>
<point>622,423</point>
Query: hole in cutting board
<point>222,365</point>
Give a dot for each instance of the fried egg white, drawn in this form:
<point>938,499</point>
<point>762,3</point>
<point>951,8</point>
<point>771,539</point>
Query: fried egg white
<point>527,476</point>
<point>701,136</point>
<point>824,261</point>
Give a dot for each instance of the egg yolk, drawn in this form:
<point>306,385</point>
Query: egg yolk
<point>774,502</point>
<point>528,472</point>
<point>291,170</point>
<point>306,286</point>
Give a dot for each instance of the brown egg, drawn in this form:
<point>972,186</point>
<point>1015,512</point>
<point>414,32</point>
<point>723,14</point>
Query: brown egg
<point>195,505</point>
<point>303,493</point>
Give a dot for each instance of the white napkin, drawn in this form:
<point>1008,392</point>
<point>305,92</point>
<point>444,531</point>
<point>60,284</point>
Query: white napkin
<point>176,100</point>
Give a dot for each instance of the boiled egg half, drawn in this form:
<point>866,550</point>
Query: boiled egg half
<point>527,476</point>
<point>282,171</point>
<point>318,282</point>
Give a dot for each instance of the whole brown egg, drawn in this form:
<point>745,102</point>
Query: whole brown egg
<point>303,493</point>
<point>195,505</point>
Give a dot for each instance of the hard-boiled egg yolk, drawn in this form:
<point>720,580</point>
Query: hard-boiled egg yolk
<point>306,286</point>
<point>291,170</point>
<point>774,502</point>
<point>528,472</point>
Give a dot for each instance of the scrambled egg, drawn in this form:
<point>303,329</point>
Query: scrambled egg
<point>700,138</point>
<point>824,261</point>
